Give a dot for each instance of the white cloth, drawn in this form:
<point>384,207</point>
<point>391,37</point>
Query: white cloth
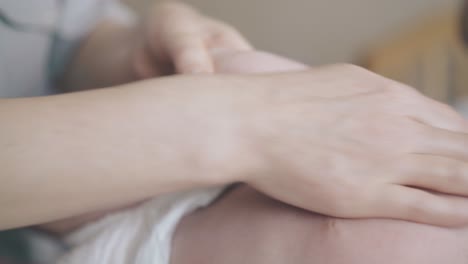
<point>141,235</point>
<point>27,59</point>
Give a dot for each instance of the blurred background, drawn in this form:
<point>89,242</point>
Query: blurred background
<point>318,31</point>
<point>417,42</point>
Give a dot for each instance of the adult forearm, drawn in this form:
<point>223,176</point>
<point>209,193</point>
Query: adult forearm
<point>70,154</point>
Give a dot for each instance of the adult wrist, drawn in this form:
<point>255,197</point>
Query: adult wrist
<point>226,104</point>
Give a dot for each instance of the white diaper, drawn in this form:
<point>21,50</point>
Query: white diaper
<point>141,235</point>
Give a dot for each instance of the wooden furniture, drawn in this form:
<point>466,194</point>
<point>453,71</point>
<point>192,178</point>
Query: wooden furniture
<point>431,57</point>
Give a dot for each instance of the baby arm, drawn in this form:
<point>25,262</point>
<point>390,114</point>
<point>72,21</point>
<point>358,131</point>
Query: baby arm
<point>248,227</point>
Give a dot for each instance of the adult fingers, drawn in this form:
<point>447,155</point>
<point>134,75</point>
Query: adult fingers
<point>183,38</point>
<point>223,36</point>
<point>144,64</point>
<point>405,203</point>
<point>442,142</point>
<point>442,116</point>
<point>189,53</point>
<point>435,173</point>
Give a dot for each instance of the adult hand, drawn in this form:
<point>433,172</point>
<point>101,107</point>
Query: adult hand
<point>345,142</point>
<point>179,39</point>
